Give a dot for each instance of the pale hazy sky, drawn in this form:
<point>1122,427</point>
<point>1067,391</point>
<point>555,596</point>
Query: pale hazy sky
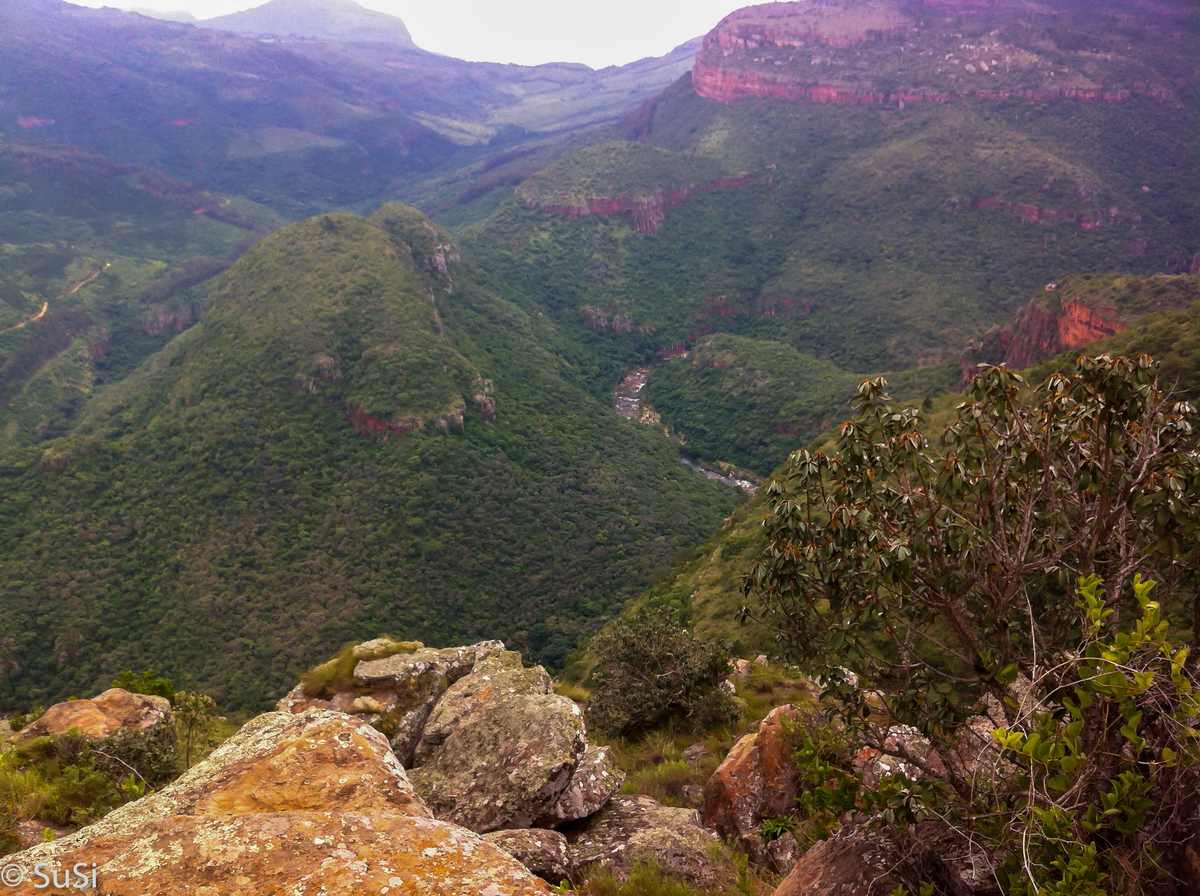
<point>595,32</point>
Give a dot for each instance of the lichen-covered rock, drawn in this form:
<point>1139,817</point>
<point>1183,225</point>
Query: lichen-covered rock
<point>854,865</point>
<point>636,827</point>
<point>593,784</point>
<point>782,852</point>
<point>507,764</point>
<point>756,781</point>
<point>501,675</point>
<point>452,662</point>
<point>307,804</point>
<point>902,745</point>
<point>395,686</point>
<point>543,852</point>
<point>102,716</point>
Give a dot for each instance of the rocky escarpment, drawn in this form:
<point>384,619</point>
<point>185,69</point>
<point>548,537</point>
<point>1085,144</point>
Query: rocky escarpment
<point>1076,312</point>
<point>313,803</point>
<point>886,52</point>
<point>1041,329</point>
<point>647,215</point>
<point>490,746</point>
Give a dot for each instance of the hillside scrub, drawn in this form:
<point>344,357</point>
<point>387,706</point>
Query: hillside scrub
<point>252,497</point>
<point>975,606</point>
<point>650,669</point>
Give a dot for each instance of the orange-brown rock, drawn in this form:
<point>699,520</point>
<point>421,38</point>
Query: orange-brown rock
<point>855,865</point>
<point>1039,331</point>
<point>757,780</point>
<point>312,803</point>
<point>101,716</point>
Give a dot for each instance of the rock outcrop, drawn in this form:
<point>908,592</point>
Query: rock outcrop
<point>595,781</point>
<point>854,865</point>
<point>1077,311</point>
<point>309,803</point>
<point>394,685</point>
<point>490,745</point>
<point>630,828</point>
<point>647,215</point>
<point>877,53</point>
<point>757,780</point>
<point>103,716</point>
<point>507,764</point>
<point>494,677</point>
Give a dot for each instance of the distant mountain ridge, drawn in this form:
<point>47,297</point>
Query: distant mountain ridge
<point>893,53</point>
<point>340,20</point>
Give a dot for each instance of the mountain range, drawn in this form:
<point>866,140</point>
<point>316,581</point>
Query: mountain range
<point>307,337</point>
<point>336,20</point>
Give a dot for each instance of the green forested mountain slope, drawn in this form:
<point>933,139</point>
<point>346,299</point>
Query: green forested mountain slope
<point>707,584</point>
<point>751,402</point>
<point>100,264</point>
<point>873,238</point>
<point>858,226</point>
<point>216,515</point>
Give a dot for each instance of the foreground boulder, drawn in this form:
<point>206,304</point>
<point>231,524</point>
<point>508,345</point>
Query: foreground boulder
<point>858,864</point>
<point>758,780</point>
<point>507,764</point>
<point>502,675</point>
<point>103,716</point>
<point>305,804</point>
<point>545,853</point>
<point>595,781</point>
<point>489,744</point>
<point>630,828</point>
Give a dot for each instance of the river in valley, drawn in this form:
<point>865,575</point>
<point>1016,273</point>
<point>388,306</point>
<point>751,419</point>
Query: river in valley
<point>627,401</point>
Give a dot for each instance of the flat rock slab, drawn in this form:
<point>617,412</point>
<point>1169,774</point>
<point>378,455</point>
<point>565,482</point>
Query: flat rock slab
<point>101,716</point>
<point>636,827</point>
<point>309,803</point>
<point>452,662</point>
<point>507,764</point>
<point>543,852</point>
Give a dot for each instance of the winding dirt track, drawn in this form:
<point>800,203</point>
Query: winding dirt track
<point>38,316</point>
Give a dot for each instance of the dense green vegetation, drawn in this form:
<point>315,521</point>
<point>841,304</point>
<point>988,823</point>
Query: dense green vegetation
<point>706,582</point>
<point>116,255</point>
<point>620,169</point>
<point>927,581</point>
<point>874,239</point>
<point>751,401</point>
<point>215,518</point>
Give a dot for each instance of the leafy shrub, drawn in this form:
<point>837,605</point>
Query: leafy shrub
<point>930,587</point>
<point>19,720</point>
<point>150,756</point>
<point>650,669</point>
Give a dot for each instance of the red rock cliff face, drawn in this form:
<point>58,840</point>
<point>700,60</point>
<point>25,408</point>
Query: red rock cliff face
<point>805,52</point>
<point>647,215</point>
<point>715,82</point>
<point>1039,331</point>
